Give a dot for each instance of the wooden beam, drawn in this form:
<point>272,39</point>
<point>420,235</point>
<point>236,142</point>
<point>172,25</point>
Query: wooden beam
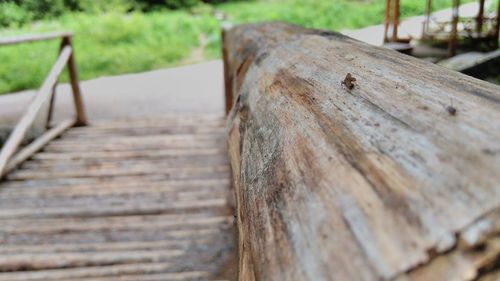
<point>353,162</point>
<point>387,19</point>
<point>19,132</point>
<point>497,29</point>
<point>228,87</point>
<point>38,144</point>
<point>480,17</point>
<point>395,22</point>
<point>453,40</point>
<point>81,117</point>
<point>427,14</point>
<point>33,38</point>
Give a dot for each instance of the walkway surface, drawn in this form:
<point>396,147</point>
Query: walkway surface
<point>196,88</point>
<point>147,199</point>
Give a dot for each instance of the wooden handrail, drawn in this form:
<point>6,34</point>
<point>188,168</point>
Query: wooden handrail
<point>8,157</point>
<point>353,162</point>
<point>33,38</point>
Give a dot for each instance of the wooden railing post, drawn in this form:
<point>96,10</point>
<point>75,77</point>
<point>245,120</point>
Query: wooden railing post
<point>453,40</point>
<point>81,119</point>
<point>9,155</point>
<point>54,88</point>
<point>228,86</point>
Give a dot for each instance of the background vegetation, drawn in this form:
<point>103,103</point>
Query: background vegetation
<point>122,36</point>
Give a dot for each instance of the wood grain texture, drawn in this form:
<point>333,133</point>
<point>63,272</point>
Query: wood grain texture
<point>33,38</point>
<point>380,181</point>
<point>42,97</point>
<point>117,209</point>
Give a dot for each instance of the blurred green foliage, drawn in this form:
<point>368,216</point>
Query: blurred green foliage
<point>18,12</point>
<point>123,36</point>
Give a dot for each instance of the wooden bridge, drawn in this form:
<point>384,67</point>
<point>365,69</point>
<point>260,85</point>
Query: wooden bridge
<point>120,200</point>
<point>347,162</point>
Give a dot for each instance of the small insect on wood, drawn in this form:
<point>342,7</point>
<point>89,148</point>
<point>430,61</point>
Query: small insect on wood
<point>349,81</point>
<point>451,109</point>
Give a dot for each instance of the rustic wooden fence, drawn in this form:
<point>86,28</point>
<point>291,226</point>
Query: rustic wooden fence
<point>10,155</point>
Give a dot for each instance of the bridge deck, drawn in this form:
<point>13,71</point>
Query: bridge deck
<point>122,200</point>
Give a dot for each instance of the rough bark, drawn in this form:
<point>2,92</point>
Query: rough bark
<point>394,177</point>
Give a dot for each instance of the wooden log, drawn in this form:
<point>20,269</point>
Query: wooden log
<point>38,144</point>
<point>352,162</point>
<point>33,38</point>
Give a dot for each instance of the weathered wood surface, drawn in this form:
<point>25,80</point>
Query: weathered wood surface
<point>41,98</point>
<point>380,181</point>
<point>133,213</point>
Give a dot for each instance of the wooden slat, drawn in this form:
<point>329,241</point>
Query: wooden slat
<point>199,160</point>
<point>102,247</point>
<point>180,276</point>
<point>130,214</point>
<point>33,38</point>
<point>184,172</point>
<point>125,180</point>
<point>120,155</point>
<point>87,272</point>
<point>48,188</point>
<point>121,224</point>
<point>147,234</point>
<point>18,134</point>
<point>38,144</point>
<point>72,199</point>
<point>120,210</point>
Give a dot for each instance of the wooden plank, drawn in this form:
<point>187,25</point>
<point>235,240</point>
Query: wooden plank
<point>163,120</point>
<point>212,232</point>
<point>33,38</point>
<point>133,208</point>
<point>360,179</point>
<point>142,131</point>
<point>115,199</point>
<point>38,144</point>
<point>184,172</point>
<point>102,247</point>
<point>120,155</point>
<point>178,276</point>
<point>87,272</point>
<point>115,181</point>
<point>121,224</point>
<point>17,135</point>
<point>107,215</point>
<point>48,188</point>
<point>195,160</point>
<point>24,262</point>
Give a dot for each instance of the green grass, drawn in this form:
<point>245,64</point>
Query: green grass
<point>116,43</point>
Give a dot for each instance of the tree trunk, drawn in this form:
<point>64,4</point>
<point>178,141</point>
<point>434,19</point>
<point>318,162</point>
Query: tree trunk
<point>352,162</point>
